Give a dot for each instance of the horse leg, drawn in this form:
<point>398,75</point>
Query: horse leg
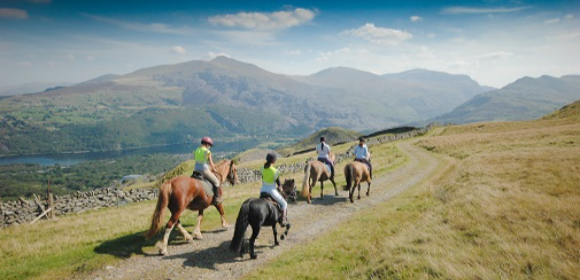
<point>163,249</point>
<point>321,190</point>
<point>275,231</point>
<point>285,232</point>
<point>174,220</point>
<point>255,232</point>
<point>197,230</point>
<point>358,184</point>
<point>369,189</point>
<point>220,208</point>
<point>351,193</point>
<point>186,234</point>
<point>334,184</point>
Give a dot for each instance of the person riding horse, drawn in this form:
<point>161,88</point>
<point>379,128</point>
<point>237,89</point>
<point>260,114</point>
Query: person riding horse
<point>271,183</point>
<point>204,165</point>
<point>323,150</point>
<point>361,154</point>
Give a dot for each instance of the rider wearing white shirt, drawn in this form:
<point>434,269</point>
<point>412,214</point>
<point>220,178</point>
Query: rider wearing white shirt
<point>362,154</point>
<point>323,151</point>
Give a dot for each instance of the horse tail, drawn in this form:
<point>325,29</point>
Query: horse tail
<point>241,226</point>
<point>305,184</point>
<point>162,202</point>
<point>349,175</point>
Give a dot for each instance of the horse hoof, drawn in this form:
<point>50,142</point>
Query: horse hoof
<point>189,240</point>
<point>162,252</point>
<point>198,237</point>
<point>277,243</point>
<point>282,237</point>
<point>254,257</point>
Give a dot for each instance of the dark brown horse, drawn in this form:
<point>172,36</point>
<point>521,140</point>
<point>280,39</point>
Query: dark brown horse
<point>356,172</point>
<point>182,193</point>
<point>316,171</point>
<point>258,212</point>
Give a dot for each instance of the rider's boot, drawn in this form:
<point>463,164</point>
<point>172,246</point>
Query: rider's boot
<point>332,172</point>
<point>217,198</point>
<point>283,221</point>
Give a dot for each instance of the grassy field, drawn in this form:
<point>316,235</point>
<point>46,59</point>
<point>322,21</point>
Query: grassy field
<point>78,244</point>
<point>504,205</point>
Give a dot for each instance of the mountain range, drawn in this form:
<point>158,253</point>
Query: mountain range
<point>224,98</point>
<point>525,99</point>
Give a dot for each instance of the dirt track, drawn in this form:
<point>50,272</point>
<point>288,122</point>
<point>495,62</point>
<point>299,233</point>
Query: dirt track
<point>210,258</point>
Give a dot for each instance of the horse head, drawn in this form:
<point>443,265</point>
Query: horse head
<point>233,174</point>
<point>289,189</point>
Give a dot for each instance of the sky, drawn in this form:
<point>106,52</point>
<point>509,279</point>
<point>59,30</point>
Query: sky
<point>495,42</point>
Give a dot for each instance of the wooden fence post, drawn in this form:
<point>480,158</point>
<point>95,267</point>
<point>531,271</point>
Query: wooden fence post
<point>50,201</point>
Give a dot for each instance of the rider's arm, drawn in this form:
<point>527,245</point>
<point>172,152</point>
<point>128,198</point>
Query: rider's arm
<point>211,165</point>
<point>278,182</point>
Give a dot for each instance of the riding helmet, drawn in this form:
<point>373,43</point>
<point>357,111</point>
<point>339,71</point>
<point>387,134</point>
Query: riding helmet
<point>271,157</point>
<point>206,140</point>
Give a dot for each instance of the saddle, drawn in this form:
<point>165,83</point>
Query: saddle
<point>267,197</point>
<point>208,187</point>
<point>365,163</point>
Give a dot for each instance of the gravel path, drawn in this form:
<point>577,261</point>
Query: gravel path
<point>210,258</point>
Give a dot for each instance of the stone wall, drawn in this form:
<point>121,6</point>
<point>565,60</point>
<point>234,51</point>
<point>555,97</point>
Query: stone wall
<point>26,210</point>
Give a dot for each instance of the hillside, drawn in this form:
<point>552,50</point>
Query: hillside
<point>504,204</point>
<point>479,201</point>
<point>334,135</point>
<point>525,99</point>
<point>222,97</point>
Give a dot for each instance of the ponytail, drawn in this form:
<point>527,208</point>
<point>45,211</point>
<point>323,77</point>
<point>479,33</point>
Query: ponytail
<point>267,164</point>
<point>322,146</point>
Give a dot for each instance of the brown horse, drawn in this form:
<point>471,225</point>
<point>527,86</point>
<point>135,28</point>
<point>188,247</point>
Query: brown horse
<point>356,172</point>
<point>182,193</point>
<point>316,171</point>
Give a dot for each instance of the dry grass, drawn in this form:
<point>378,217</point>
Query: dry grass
<point>505,206</point>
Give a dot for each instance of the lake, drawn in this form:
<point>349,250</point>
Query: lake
<point>71,159</point>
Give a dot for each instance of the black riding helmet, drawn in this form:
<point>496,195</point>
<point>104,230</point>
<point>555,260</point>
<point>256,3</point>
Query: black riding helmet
<point>271,157</point>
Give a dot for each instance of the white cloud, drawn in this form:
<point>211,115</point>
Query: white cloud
<point>13,13</point>
<point>213,55</point>
<point>69,56</point>
<point>276,20</point>
<point>293,52</point>
<point>25,64</point>
<point>151,27</point>
<point>90,58</point>
<point>178,50</point>
<point>415,18</point>
<point>552,21</point>
<point>325,56</point>
<point>467,10</point>
<point>249,37</point>
<point>569,16</point>
<point>501,55</point>
<point>379,35</point>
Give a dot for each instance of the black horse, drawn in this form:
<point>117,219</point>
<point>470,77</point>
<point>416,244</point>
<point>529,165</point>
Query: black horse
<point>258,212</point>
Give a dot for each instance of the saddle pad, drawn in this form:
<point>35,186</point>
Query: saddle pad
<point>328,168</point>
<point>207,188</point>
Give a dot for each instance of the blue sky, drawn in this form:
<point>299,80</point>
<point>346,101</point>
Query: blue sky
<point>495,42</point>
